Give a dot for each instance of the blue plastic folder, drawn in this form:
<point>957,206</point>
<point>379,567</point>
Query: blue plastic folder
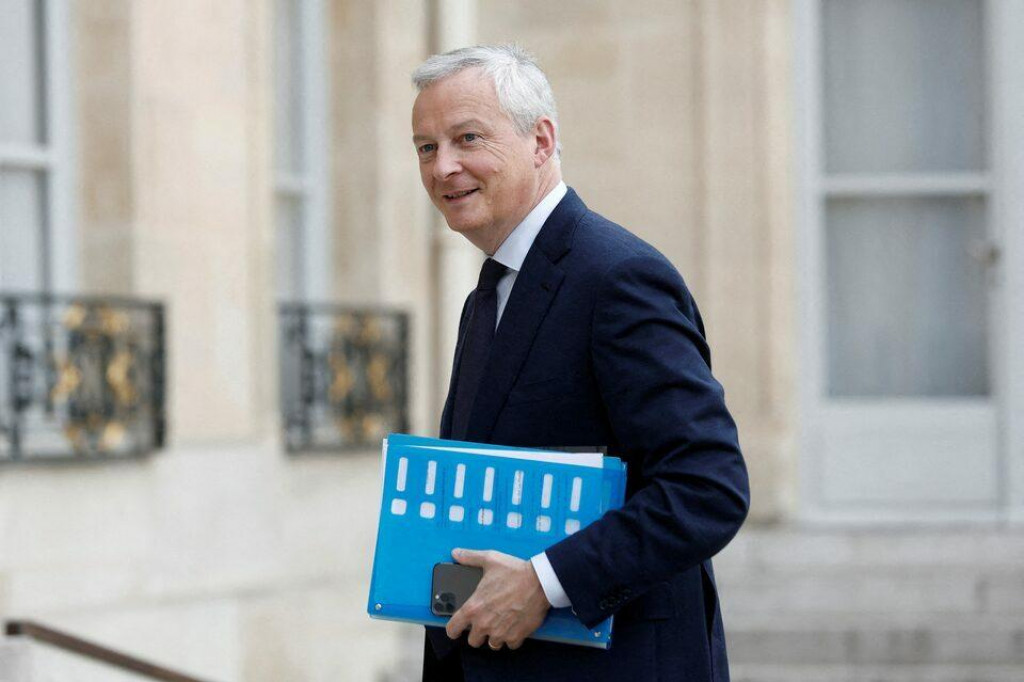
<point>441,494</point>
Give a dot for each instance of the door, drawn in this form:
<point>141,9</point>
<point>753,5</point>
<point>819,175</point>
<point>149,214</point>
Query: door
<point>902,288</point>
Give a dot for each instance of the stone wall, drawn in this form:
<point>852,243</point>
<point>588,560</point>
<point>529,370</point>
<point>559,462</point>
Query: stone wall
<point>220,555</point>
<point>674,117</point>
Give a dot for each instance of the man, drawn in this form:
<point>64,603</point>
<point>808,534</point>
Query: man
<point>578,334</point>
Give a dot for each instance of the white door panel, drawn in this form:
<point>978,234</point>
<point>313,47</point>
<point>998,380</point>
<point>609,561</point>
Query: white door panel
<point>909,454</point>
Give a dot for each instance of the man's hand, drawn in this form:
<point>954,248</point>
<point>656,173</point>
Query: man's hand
<point>506,607</point>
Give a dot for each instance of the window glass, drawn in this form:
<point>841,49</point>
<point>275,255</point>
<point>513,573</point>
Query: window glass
<point>288,95</point>
<point>21,91</point>
<point>289,220</point>
<point>903,85</point>
<point>22,216</point>
<point>907,312</point>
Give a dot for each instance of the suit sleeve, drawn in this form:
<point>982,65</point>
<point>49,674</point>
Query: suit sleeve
<point>653,371</point>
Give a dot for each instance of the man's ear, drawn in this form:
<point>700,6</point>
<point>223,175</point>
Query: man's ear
<point>545,139</point>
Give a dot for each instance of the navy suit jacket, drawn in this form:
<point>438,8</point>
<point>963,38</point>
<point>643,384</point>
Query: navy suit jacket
<point>600,344</point>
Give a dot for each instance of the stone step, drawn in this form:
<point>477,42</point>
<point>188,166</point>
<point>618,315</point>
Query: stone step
<point>860,641</point>
<point>896,673</point>
<point>788,548</point>
<point>992,591</point>
<point>841,605</point>
<point>778,572</point>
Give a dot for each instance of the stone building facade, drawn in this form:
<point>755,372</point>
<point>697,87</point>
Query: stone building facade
<point>224,556</point>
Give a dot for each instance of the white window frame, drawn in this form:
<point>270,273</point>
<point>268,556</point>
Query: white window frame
<point>999,185</point>
<point>1008,212</point>
<point>54,158</point>
<point>308,186</point>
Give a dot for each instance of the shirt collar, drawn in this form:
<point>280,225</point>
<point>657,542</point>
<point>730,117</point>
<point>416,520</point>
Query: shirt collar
<point>513,250</point>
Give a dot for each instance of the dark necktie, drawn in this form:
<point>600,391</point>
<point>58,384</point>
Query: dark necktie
<point>476,345</point>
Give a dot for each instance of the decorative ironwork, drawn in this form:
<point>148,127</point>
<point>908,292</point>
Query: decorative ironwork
<point>344,376</point>
<point>80,378</point>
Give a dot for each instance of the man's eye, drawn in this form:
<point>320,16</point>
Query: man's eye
<point>469,137</point>
<point>426,148</point>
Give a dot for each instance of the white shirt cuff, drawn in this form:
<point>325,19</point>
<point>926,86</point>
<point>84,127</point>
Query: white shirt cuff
<point>549,582</point>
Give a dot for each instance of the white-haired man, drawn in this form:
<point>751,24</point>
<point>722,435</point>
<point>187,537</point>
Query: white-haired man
<point>578,334</point>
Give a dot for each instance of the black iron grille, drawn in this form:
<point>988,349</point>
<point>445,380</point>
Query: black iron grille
<point>344,376</point>
<point>80,378</point>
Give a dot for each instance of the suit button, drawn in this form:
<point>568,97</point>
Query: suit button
<point>604,604</point>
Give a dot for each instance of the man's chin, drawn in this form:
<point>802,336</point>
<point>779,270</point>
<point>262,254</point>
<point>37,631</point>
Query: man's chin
<point>463,226</point>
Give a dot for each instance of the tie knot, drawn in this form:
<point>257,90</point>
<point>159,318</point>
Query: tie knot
<point>490,273</point>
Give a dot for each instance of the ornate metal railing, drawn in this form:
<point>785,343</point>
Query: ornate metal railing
<point>344,376</point>
<point>80,378</point>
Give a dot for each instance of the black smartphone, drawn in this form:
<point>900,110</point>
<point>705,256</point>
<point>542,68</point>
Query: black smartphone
<point>451,586</point>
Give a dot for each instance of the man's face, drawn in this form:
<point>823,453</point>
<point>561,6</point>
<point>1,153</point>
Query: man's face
<point>478,170</point>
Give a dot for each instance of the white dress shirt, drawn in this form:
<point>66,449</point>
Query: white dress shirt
<point>511,254</point>
<point>513,250</point>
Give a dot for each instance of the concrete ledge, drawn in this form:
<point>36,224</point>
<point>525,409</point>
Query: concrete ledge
<point>15,660</point>
<point>912,673</point>
<point>967,641</point>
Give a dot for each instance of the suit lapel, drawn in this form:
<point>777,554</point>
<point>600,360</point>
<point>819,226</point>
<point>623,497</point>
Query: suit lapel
<point>535,288</point>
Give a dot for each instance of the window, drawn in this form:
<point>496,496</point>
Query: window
<point>300,156</point>
<point>37,247</point>
<point>906,192</point>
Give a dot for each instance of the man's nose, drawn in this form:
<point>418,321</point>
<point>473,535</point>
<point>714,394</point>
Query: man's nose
<point>446,163</point>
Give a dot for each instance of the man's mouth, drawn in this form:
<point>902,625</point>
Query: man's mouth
<point>455,196</point>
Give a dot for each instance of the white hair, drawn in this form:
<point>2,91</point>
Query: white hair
<point>523,91</point>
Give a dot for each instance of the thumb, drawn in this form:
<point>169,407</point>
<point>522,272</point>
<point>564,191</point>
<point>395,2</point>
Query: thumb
<point>469,557</point>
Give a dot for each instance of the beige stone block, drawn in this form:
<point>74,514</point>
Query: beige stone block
<point>38,592</point>
<point>321,634</point>
<point>50,663</point>
<point>656,14</point>
<point>106,250</point>
<point>62,517</point>
<point>329,520</point>
<point>210,339</point>
<point>533,16</point>
<point>624,96</point>
<point>193,241</point>
<point>103,108</point>
<point>15,660</point>
<point>387,644</point>
<point>566,60</point>
<point>217,513</point>
<point>594,129</point>
<point>201,638</point>
<point>763,447</point>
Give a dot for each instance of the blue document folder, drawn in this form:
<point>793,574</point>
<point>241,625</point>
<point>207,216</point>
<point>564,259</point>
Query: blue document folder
<point>440,494</point>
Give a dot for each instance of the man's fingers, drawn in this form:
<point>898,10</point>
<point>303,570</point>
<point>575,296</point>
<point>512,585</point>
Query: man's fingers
<point>456,625</point>
<point>507,606</point>
<point>476,637</point>
<point>470,557</point>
